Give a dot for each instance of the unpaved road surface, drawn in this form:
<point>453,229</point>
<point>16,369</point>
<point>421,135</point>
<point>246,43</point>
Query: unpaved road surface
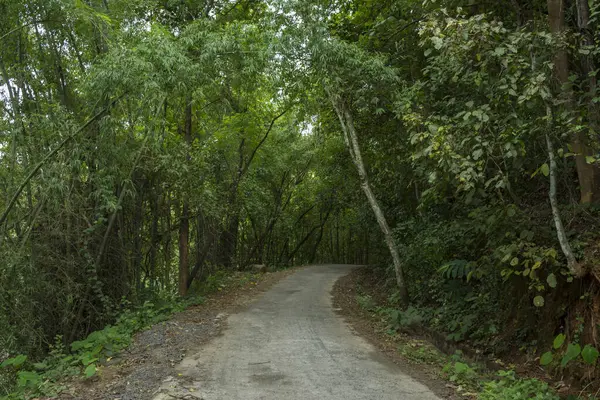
<point>290,344</point>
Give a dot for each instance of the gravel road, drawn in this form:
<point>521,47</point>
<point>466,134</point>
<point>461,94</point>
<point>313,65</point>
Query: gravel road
<point>291,344</point>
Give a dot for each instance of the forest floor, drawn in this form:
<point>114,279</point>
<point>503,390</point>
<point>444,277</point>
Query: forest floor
<point>137,373</point>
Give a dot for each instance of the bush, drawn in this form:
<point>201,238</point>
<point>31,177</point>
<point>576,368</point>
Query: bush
<point>509,387</point>
<point>409,318</point>
<point>40,379</point>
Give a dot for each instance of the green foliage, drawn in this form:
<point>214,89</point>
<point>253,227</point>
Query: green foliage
<point>558,341</point>
<point>15,362</point>
<point>408,318</point>
<point>422,352</point>
<point>509,387</point>
<point>457,269</point>
<point>85,356</point>
<point>216,139</point>
<point>590,354</point>
<point>461,373</point>
<point>366,302</point>
<point>573,352</point>
<point>546,358</point>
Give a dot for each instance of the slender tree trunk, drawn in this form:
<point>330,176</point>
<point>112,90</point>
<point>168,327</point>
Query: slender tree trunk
<point>184,224</point>
<point>585,171</point>
<point>589,76</point>
<point>337,238</point>
<point>154,240</point>
<point>184,249</point>
<point>351,140</point>
<point>205,230</point>
<point>167,243</point>
<point>572,263</point>
<point>138,232</point>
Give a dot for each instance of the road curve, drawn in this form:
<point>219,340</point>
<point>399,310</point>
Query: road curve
<point>290,344</point>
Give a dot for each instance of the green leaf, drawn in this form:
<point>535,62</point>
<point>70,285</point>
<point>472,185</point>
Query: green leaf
<point>538,301</point>
<point>590,159</point>
<point>460,368</point>
<point>433,128</point>
<point>28,378</point>
<point>87,359</point>
<point>90,370</point>
<point>15,361</point>
<point>573,350</point>
<point>546,358</point>
<point>40,366</point>
<point>551,279</point>
<point>514,261</point>
<point>545,169</point>
<point>558,341</point>
<point>590,354</point>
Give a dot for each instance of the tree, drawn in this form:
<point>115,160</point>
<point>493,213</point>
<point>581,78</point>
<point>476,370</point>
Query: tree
<point>351,140</point>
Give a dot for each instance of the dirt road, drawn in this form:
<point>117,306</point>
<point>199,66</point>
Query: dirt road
<point>290,344</point>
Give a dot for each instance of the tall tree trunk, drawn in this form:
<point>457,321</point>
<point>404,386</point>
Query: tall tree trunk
<point>572,263</point>
<point>205,231</point>
<point>184,249</point>
<point>351,140</point>
<point>184,224</point>
<point>138,232</point>
<point>337,238</point>
<point>585,171</point>
<point>228,241</point>
<point>167,243</point>
<point>588,69</point>
<point>154,240</point>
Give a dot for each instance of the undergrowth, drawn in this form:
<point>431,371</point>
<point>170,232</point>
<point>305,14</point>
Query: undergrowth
<point>84,357</point>
<point>25,378</point>
<point>470,379</point>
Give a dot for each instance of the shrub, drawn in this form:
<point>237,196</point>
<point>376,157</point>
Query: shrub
<point>509,387</point>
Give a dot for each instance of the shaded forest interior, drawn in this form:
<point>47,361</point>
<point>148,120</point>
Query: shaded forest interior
<point>146,145</point>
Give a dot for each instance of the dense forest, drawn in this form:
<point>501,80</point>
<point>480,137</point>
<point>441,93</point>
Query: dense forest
<point>146,144</point>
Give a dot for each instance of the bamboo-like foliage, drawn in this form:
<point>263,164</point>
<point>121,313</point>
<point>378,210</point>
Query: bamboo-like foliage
<point>143,147</point>
<point>145,144</point>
